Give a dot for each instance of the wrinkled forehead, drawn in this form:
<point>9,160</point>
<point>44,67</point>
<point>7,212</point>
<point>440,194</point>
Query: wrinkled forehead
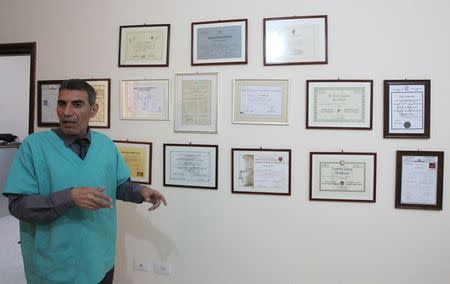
<point>73,95</point>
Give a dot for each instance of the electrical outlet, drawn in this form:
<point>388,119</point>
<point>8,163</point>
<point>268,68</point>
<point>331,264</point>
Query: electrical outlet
<point>162,268</point>
<point>141,265</point>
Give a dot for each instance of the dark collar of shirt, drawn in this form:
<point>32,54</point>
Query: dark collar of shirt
<point>77,144</point>
<point>70,139</point>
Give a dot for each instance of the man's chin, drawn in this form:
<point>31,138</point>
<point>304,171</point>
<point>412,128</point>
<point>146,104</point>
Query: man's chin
<point>70,129</point>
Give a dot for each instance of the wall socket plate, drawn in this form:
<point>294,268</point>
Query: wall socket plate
<point>162,268</point>
<point>141,265</point>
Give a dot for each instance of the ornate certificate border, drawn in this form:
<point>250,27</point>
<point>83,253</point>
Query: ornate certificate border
<point>339,104</point>
<point>338,176</point>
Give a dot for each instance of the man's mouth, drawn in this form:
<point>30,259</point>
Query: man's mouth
<point>69,122</point>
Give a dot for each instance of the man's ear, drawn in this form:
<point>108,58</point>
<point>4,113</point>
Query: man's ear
<point>94,110</point>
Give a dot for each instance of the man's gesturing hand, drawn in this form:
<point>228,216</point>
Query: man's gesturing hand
<point>91,198</point>
<point>154,197</point>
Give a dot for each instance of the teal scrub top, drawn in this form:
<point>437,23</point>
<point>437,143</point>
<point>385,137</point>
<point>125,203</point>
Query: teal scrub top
<point>78,247</point>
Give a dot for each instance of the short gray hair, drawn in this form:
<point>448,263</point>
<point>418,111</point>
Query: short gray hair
<point>80,85</point>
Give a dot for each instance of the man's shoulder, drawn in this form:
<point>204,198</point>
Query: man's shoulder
<point>100,137</point>
<point>38,136</point>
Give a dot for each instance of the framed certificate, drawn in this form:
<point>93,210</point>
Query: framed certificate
<point>260,101</point>
<point>295,40</point>
<point>196,102</point>
<point>339,104</point>
<point>144,46</point>
<point>219,42</point>
<point>48,92</point>
<point>144,99</point>
<point>342,176</point>
<point>138,157</point>
<point>47,96</point>
<point>419,180</point>
<point>190,165</point>
<point>103,90</point>
<point>261,171</point>
<point>407,109</point>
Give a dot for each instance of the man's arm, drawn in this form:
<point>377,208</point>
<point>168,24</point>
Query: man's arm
<point>130,192</point>
<point>46,208</point>
<point>40,208</point>
<point>133,192</point>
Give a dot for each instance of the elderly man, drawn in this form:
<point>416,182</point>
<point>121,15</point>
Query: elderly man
<point>62,186</point>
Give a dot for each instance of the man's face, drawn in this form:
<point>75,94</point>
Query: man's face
<point>74,111</point>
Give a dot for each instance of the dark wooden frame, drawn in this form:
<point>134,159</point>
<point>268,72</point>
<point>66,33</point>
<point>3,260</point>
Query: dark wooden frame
<point>244,41</point>
<point>233,150</point>
<point>372,200</point>
<point>265,20</point>
<point>25,48</point>
<point>339,81</point>
<point>56,124</point>
<point>216,147</point>
<point>123,28</point>
<point>149,157</point>
<point>427,102</point>
<point>439,182</point>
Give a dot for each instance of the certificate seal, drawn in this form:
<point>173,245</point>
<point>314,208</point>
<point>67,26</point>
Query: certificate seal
<point>407,124</point>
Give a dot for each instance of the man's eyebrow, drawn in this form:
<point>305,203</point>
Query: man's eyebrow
<point>72,102</point>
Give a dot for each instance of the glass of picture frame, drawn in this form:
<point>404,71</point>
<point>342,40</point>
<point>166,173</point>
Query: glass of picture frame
<point>219,42</point>
<point>48,91</point>
<point>295,40</point>
<point>191,165</point>
<point>339,104</point>
<point>260,101</point>
<point>261,171</point>
<point>196,102</point>
<point>144,99</point>
<point>47,96</point>
<point>342,176</point>
<point>138,157</point>
<point>419,180</point>
<point>144,45</point>
<point>407,109</point>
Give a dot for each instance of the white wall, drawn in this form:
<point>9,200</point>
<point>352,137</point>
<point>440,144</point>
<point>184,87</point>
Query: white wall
<point>218,237</point>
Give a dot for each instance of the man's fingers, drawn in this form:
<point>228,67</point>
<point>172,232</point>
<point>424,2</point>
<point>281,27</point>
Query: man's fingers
<point>163,199</point>
<point>156,196</point>
<point>101,200</point>
<point>102,196</point>
<point>91,198</point>
<point>155,205</point>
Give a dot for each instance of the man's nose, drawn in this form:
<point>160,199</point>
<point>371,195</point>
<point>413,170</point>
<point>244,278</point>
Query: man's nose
<point>68,110</point>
